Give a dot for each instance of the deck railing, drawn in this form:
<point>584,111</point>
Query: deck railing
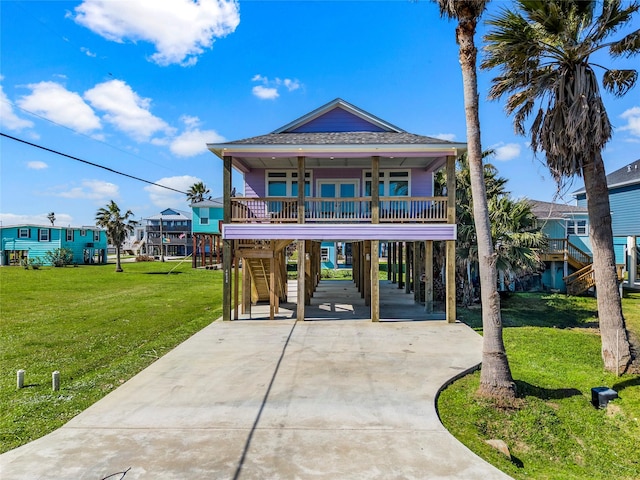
<point>328,210</point>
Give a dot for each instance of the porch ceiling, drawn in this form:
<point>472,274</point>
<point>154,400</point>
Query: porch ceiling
<point>248,163</point>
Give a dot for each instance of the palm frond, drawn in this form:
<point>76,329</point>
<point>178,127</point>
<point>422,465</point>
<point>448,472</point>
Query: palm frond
<point>619,82</point>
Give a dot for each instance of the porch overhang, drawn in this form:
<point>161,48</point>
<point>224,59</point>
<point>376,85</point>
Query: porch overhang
<point>343,232</point>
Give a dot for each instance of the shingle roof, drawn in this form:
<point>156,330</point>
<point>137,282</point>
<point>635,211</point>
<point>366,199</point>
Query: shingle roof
<point>341,138</point>
<point>627,175</point>
<point>553,210</point>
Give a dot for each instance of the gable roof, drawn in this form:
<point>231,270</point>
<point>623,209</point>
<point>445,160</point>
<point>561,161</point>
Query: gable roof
<point>337,134</point>
<point>627,175</point>
<point>209,202</point>
<point>556,211</point>
<point>345,110</point>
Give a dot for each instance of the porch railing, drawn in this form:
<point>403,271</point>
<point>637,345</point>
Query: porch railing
<point>321,210</point>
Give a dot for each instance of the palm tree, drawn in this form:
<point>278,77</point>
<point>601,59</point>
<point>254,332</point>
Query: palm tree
<point>543,50</point>
<point>197,192</point>
<point>117,225</point>
<point>52,218</point>
<point>495,377</point>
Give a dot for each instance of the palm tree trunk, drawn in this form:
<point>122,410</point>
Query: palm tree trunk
<point>495,377</point>
<point>616,350</point>
<point>118,266</point>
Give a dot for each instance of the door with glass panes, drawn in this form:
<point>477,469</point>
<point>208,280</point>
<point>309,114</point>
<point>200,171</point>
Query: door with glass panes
<point>339,195</point>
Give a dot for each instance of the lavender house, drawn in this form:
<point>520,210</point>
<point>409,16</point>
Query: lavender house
<point>338,149</point>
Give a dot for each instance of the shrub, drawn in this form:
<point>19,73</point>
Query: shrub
<point>59,257</point>
<point>144,258</point>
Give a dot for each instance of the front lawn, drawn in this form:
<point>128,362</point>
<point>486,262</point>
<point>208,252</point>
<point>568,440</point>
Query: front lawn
<point>553,431</point>
<point>96,327</point>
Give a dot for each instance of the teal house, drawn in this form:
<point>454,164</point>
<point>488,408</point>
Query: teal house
<point>568,257</point>
<point>32,242</point>
<point>207,216</point>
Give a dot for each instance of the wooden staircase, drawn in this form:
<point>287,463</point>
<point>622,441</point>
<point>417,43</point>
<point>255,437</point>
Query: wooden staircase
<point>582,280</point>
<point>259,259</point>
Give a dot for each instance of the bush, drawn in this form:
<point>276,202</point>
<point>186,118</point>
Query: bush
<point>34,263</point>
<point>59,257</point>
<point>144,258</point>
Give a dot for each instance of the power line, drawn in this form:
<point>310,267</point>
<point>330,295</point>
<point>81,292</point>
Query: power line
<point>90,163</point>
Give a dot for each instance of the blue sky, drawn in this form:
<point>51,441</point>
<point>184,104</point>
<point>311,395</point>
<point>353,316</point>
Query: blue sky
<point>140,86</point>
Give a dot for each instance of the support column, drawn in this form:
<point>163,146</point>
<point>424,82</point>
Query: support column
<point>408,273</point>
<point>301,281</point>
<point>236,281</point>
<point>375,281</point>
<point>367,272</point>
<point>308,274</point>
<point>392,264</point>
<point>450,286</point>
<point>451,281</point>
<point>632,259</point>
<point>428,276</point>
<point>194,255</point>
<point>399,262</point>
<point>226,244</point>
<point>272,284</point>
<point>246,288</point>
<point>416,271</point>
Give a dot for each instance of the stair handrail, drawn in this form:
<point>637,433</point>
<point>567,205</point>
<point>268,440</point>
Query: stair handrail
<point>578,254</point>
<point>584,271</point>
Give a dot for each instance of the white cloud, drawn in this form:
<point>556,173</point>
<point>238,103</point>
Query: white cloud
<point>37,165</point>
<point>269,88</point>
<point>126,110</point>
<point>164,198</point>
<point>450,137</point>
<point>87,52</point>
<point>8,118</point>
<point>506,151</point>
<point>265,93</point>
<point>37,219</point>
<point>632,116</point>
<point>54,102</point>
<point>193,141</point>
<point>95,190</point>
<point>180,30</point>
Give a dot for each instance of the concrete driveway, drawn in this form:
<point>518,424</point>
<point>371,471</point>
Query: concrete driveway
<point>274,400</point>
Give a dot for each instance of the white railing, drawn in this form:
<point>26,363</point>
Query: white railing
<point>327,210</point>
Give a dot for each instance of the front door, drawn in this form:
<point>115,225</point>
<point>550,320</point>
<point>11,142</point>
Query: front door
<point>338,193</point>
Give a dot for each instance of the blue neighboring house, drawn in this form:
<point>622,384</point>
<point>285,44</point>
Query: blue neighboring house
<point>205,231</point>
<point>624,198</point>
<point>31,242</point>
<point>567,228</point>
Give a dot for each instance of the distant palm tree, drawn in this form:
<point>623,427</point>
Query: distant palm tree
<point>495,377</point>
<point>117,225</point>
<point>52,218</point>
<point>544,50</point>
<point>197,192</point>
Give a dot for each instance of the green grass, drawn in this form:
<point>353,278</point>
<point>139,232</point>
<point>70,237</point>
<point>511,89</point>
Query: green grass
<point>553,431</point>
<point>95,326</point>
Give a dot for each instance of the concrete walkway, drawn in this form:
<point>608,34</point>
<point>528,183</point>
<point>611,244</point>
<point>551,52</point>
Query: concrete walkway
<point>274,400</point>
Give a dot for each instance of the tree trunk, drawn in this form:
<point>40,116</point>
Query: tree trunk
<point>118,267</point>
<point>495,377</point>
<point>616,351</point>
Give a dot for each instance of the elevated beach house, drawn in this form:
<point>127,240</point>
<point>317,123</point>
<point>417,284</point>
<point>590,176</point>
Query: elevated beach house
<point>336,152</point>
<point>21,243</point>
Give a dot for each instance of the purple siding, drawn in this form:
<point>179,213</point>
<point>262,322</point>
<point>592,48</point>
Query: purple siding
<point>421,181</point>
<point>315,231</point>
<point>337,120</point>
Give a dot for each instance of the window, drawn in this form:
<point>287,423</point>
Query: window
<point>69,235</point>
<point>204,216</point>
<point>576,227</point>
<point>83,233</point>
<point>96,235</point>
<point>392,183</point>
<point>24,233</point>
<point>324,253</point>
<point>284,183</point>
<point>43,234</point>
